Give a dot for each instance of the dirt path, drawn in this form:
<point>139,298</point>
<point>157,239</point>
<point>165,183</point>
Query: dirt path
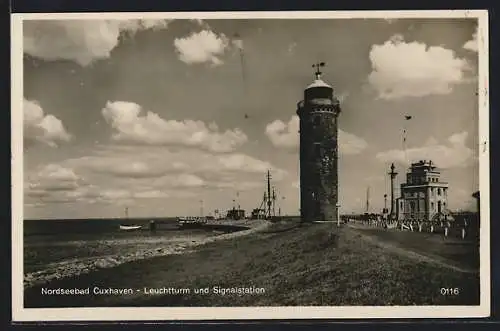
<point>410,253</point>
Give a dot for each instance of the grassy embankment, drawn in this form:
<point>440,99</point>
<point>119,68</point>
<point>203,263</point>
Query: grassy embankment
<point>315,264</point>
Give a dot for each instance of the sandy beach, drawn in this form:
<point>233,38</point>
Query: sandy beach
<point>102,254</point>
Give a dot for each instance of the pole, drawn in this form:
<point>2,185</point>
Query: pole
<point>282,202</point>
<point>405,136</point>
<point>393,175</point>
<point>338,214</point>
<point>269,202</point>
<point>368,199</point>
<point>404,145</point>
<point>384,212</point>
<point>274,201</point>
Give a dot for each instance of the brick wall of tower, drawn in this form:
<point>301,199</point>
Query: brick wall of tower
<point>319,162</point>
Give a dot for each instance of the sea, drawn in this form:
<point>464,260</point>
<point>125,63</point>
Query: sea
<point>54,249</point>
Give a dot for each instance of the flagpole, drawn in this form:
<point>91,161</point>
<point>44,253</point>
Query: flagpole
<point>404,144</point>
<point>406,118</point>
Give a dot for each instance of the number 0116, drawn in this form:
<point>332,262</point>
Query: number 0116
<point>449,291</point>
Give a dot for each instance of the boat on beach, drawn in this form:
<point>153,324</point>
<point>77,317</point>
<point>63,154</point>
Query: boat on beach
<point>130,227</point>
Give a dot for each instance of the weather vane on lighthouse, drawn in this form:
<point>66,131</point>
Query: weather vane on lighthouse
<point>317,66</point>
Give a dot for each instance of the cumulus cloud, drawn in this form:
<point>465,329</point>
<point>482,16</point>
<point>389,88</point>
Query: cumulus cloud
<point>350,143</point>
<point>187,180</point>
<point>56,183</point>
<point>472,45</point>
<point>59,183</point>
<point>201,23</point>
<point>81,41</point>
<point>130,161</point>
<point>135,169</point>
<point>114,194</point>
<point>122,173</point>
<point>111,162</point>
<point>130,125</point>
<point>156,168</point>
<point>57,172</point>
<point>414,69</point>
<point>452,154</point>
<point>286,135</point>
<point>238,185</point>
<point>201,47</point>
<point>52,182</point>
<point>46,129</point>
<point>247,164</point>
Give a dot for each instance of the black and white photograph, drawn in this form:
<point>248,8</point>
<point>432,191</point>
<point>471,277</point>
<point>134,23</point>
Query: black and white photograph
<point>250,165</point>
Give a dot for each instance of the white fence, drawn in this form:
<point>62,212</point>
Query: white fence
<point>445,228</point>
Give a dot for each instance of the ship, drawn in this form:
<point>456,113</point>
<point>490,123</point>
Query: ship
<point>191,222</point>
<point>266,210</point>
<point>235,214</point>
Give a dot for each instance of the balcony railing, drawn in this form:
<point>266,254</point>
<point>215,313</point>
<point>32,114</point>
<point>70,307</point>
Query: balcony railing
<point>422,183</point>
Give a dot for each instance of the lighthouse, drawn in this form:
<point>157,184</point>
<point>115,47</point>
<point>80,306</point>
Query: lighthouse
<point>318,114</point>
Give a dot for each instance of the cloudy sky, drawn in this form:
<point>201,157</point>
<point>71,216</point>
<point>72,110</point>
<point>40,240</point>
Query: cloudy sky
<point>159,115</point>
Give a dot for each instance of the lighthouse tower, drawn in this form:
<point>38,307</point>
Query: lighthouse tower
<point>318,114</point>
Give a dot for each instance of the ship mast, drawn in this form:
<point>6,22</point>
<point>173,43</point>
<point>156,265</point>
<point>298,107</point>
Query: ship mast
<point>274,201</point>
<point>126,212</point>
<point>269,201</point>
<point>368,199</point>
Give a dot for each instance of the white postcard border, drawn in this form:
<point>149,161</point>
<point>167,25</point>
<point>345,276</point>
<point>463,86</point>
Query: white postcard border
<point>19,313</point>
